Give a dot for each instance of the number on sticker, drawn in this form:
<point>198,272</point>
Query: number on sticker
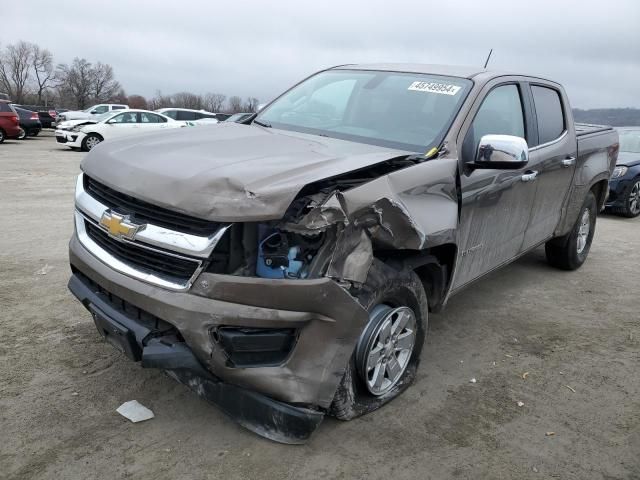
<point>434,87</point>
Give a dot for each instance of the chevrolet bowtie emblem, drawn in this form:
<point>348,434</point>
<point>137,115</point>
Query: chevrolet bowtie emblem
<point>119,226</point>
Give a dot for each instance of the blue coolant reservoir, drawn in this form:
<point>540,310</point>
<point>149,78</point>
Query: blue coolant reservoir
<point>276,259</point>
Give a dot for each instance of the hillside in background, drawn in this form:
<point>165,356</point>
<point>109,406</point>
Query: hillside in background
<point>617,117</point>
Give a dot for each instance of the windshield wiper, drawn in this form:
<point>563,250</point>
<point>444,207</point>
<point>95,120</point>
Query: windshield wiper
<point>262,124</point>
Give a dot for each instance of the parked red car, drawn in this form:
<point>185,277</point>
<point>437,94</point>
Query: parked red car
<point>9,123</point>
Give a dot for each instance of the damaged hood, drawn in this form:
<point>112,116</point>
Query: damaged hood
<point>231,172</point>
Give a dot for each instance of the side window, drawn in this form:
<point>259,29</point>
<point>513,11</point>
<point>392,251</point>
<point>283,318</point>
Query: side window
<point>171,114</point>
<point>101,109</point>
<point>5,107</point>
<point>501,113</point>
<point>549,112</point>
<point>124,118</point>
<point>118,107</point>
<point>151,118</point>
<point>183,115</point>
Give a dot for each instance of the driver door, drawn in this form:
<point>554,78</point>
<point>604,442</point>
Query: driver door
<point>496,204</point>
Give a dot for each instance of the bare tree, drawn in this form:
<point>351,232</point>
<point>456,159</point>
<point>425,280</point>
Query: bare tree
<point>251,105</point>
<point>104,85</point>
<point>42,63</point>
<point>138,101</point>
<point>187,100</point>
<point>235,104</point>
<point>76,81</point>
<point>214,102</point>
<point>159,101</point>
<point>15,69</point>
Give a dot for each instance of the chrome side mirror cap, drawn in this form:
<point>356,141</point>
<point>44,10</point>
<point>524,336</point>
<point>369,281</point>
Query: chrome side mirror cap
<point>503,152</point>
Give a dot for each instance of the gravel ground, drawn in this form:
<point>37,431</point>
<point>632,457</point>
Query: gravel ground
<point>577,334</point>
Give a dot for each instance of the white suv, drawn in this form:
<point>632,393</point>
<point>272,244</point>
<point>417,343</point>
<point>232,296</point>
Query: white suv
<point>89,112</point>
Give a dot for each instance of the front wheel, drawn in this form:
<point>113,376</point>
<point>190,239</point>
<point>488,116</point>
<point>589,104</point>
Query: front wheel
<point>570,251</point>
<point>90,141</point>
<point>386,357</point>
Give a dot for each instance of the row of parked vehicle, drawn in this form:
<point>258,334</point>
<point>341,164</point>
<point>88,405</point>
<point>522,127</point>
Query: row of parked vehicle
<point>83,130</point>
<point>21,121</point>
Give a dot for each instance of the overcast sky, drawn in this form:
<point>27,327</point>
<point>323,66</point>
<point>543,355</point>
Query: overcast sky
<point>259,48</point>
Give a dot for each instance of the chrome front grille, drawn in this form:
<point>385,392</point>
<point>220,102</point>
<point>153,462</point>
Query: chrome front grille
<point>158,255</point>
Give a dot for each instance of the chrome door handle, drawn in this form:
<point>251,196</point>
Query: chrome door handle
<point>567,162</point>
<point>529,176</point>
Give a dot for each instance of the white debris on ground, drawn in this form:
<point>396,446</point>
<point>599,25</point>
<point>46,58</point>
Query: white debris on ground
<point>520,404</point>
<point>135,411</point>
<point>44,270</point>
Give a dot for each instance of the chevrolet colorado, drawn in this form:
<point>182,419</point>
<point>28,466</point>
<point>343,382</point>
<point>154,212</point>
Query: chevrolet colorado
<point>284,269</point>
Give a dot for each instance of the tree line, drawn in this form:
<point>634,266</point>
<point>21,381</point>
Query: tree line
<point>29,76</point>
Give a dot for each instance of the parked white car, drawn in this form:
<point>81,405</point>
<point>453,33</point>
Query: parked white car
<point>189,115</point>
<point>90,112</point>
<point>88,134</point>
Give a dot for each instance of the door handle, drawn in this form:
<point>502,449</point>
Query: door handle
<point>567,162</point>
<point>530,176</point>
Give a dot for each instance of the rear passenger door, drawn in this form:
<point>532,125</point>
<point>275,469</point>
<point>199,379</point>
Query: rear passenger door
<point>496,204</point>
<point>552,154</point>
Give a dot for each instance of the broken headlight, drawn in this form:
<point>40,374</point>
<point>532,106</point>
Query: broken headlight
<point>619,172</point>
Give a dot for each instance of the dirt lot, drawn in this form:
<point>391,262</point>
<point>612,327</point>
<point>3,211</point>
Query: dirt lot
<point>577,334</point>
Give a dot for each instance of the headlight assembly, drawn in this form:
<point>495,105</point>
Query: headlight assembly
<point>619,172</point>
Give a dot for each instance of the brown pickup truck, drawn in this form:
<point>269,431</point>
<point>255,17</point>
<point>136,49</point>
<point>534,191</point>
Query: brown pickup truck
<point>284,268</point>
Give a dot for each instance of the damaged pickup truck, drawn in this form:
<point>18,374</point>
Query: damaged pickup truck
<point>284,269</point>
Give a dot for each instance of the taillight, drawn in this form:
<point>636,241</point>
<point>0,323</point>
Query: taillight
<point>53,113</point>
<point>34,116</point>
<point>15,120</point>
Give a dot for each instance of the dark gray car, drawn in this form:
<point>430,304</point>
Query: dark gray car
<point>285,269</point>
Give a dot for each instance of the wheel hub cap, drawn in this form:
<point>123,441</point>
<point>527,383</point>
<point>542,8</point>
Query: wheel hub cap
<point>634,199</point>
<point>583,230</point>
<point>388,348</point>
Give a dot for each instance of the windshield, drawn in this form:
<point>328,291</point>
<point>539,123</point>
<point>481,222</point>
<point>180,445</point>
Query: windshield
<point>407,111</point>
<point>630,141</point>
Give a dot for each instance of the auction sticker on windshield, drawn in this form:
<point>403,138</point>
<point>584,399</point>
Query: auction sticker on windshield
<point>434,87</point>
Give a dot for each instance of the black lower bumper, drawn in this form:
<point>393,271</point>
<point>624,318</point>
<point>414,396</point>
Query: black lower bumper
<point>157,348</point>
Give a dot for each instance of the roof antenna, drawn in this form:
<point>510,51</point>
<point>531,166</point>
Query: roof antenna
<point>488,57</point>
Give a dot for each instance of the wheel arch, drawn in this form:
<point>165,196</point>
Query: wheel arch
<point>434,266</point>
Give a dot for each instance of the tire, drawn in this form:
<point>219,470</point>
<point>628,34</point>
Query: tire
<point>386,293</point>
<point>570,251</point>
<point>22,135</point>
<point>631,208</point>
<point>2,135</point>
<point>90,141</point>
<point>34,133</point>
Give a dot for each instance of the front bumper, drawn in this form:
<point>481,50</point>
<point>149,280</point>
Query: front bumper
<point>617,191</point>
<point>275,420</point>
<point>328,321</point>
<point>69,138</point>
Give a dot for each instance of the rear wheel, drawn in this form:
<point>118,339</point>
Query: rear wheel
<point>34,133</point>
<point>2,135</point>
<point>570,251</point>
<point>631,207</point>
<point>386,357</point>
<point>90,141</point>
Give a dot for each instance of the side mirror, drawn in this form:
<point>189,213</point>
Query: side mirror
<point>93,112</point>
<point>504,152</point>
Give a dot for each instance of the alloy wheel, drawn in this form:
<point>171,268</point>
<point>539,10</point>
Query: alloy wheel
<point>634,199</point>
<point>583,230</point>
<point>92,141</point>
<point>385,347</point>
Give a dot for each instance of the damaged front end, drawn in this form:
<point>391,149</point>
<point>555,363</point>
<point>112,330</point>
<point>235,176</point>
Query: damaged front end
<point>265,325</point>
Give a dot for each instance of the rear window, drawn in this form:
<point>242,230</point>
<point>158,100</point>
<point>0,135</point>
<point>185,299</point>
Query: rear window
<point>5,107</point>
<point>182,115</point>
<point>549,112</point>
